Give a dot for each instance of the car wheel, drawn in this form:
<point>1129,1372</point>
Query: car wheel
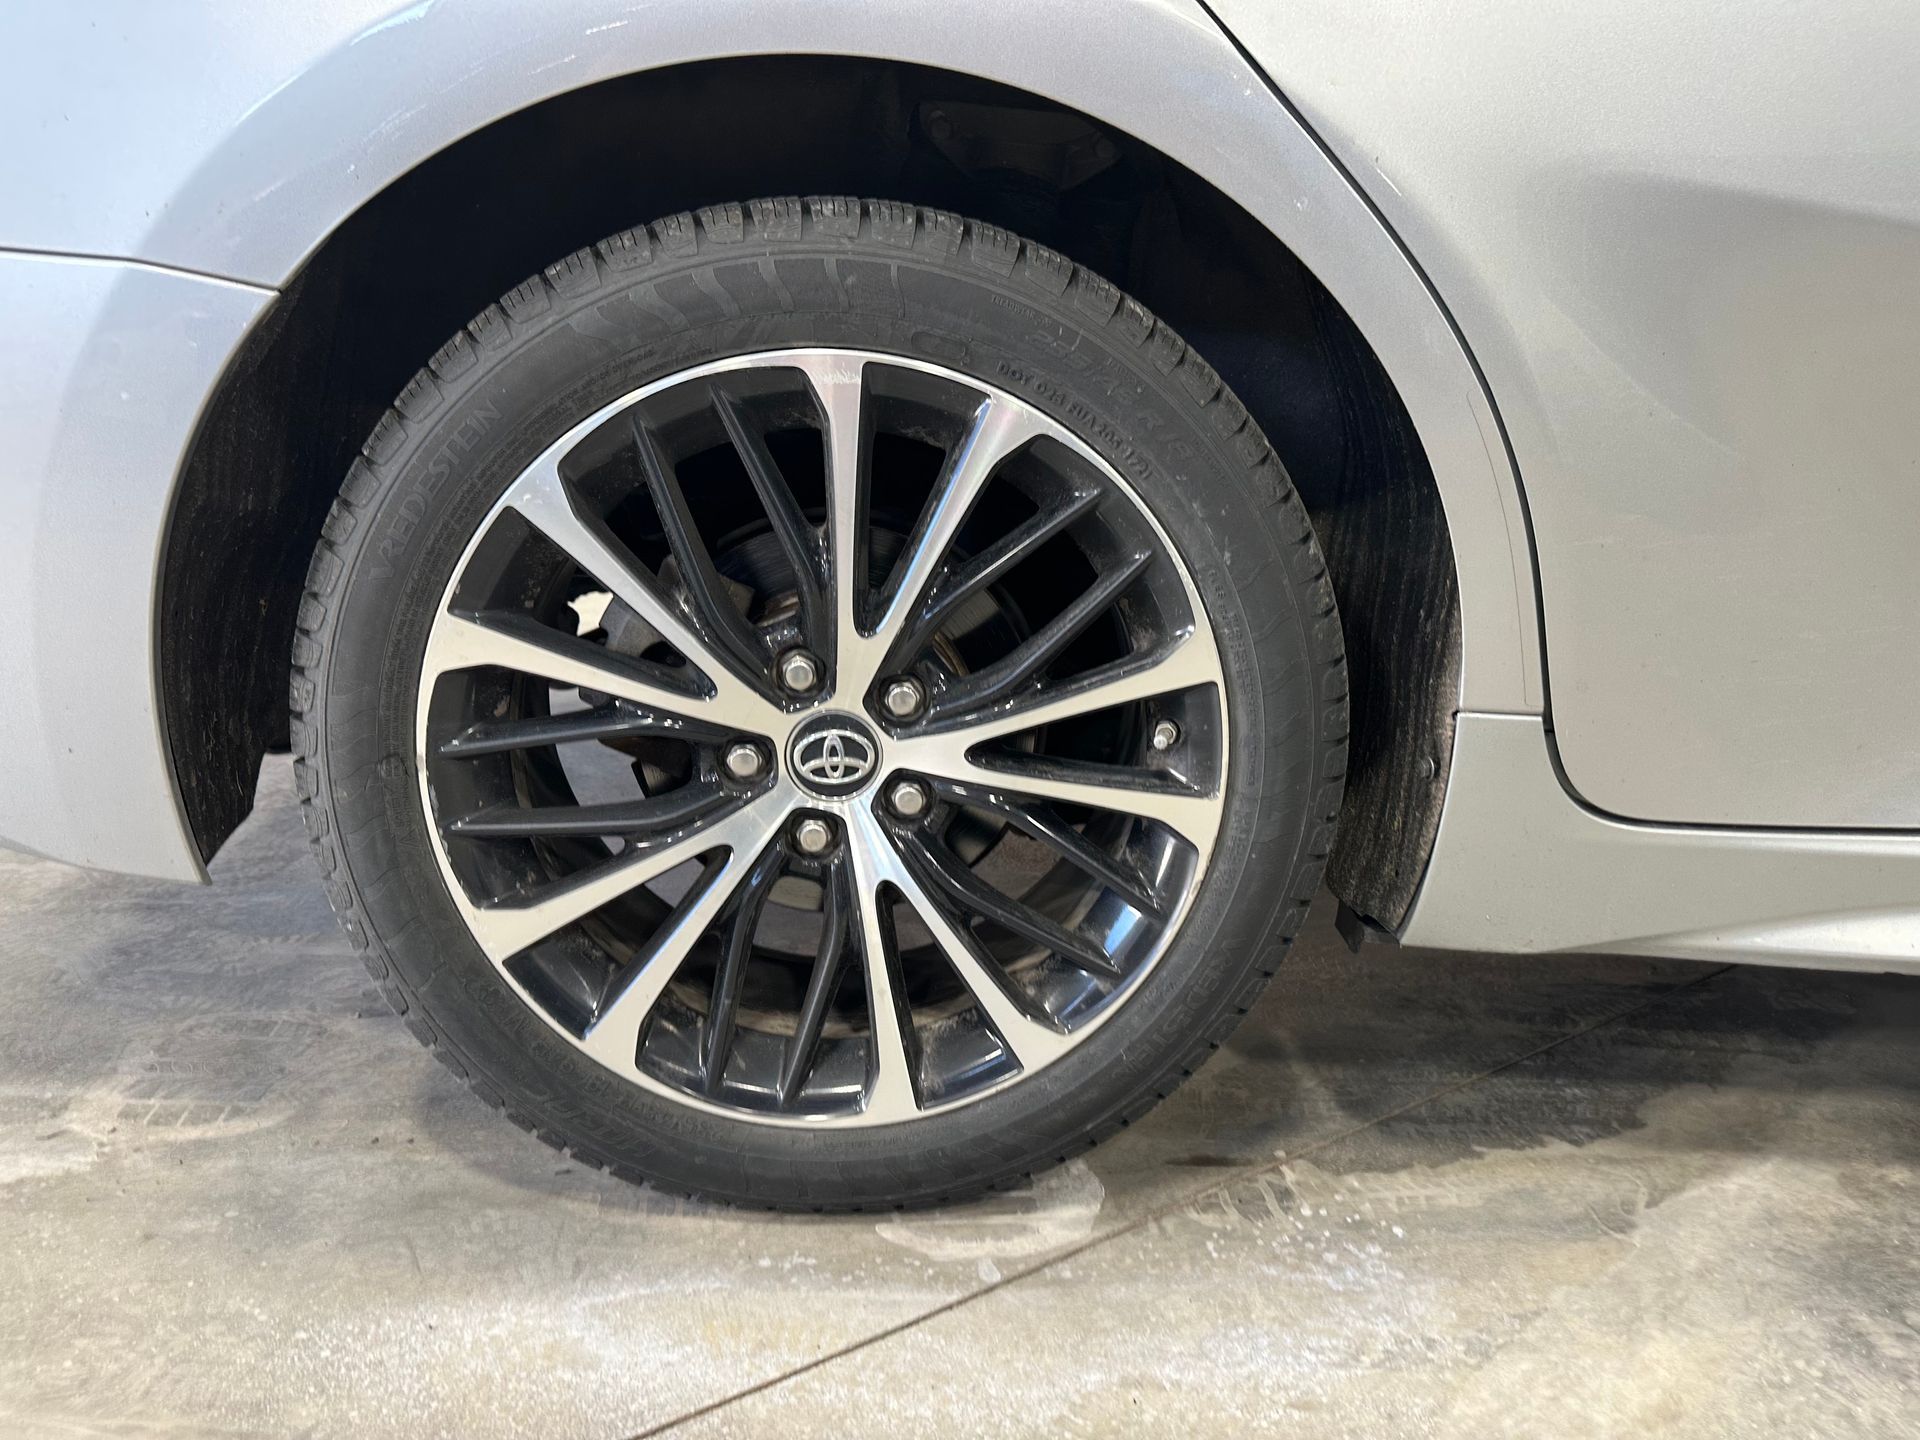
<point>821,704</point>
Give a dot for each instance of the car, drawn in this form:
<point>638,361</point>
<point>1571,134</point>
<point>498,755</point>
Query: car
<point>838,577</point>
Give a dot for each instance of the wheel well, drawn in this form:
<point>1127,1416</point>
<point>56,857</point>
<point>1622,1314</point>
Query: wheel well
<point>426,254</point>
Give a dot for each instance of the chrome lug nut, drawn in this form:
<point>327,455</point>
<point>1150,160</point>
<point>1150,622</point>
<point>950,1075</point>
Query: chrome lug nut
<point>799,672</point>
<point>909,799</point>
<point>1164,735</point>
<point>812,836</point>
<point>903,698</point>
<point>744,760</point>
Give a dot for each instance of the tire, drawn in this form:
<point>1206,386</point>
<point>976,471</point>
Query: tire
<point>885,280</point>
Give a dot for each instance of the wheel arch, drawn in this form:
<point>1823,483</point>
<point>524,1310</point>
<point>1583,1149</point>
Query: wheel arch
<point>1417,518</point>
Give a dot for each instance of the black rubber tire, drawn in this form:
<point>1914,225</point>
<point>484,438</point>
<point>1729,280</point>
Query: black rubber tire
<point>833,271</point>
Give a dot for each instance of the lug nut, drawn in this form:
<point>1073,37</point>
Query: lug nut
<point>799,671</point>
<point>812,836</point>
<point>1164,735</point>
<point>909,799</point>
<point>744,760</point>
<point>903,698</point>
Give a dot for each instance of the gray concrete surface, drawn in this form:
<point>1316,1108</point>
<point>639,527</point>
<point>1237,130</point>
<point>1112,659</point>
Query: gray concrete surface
<point>1418,1194</point>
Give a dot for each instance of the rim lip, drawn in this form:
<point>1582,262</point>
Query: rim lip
<point>846,809</point>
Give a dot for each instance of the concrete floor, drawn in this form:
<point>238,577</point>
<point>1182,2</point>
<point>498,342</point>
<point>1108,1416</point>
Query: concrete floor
<point>1418,1194</point>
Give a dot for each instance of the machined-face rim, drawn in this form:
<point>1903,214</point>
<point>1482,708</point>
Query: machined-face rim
<point>922,716</point>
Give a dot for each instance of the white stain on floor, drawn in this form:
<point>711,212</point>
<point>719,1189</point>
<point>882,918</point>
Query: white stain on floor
<point>1050,1213</point>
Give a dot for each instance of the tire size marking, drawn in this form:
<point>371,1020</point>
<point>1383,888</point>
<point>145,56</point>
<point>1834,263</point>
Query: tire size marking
<point>1119,449</point>
<point>470,433</point>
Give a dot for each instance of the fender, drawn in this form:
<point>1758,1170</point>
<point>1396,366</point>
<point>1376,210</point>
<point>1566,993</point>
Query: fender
<point>243,173</point>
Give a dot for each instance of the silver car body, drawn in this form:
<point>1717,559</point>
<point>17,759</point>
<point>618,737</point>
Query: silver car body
<point>1645,279</point>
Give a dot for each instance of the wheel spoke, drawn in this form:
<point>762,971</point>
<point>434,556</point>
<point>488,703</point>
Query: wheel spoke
<point>618,721</point>
<point>618,817</point>
<point>519,642</point>
<point>970,893</point>
<point>541,498</point>
<point>799,541</point>
<point>996,431</point>
<point>505,928</point>
<point>1010,674</point>
<point>828,960</point>
<point>725,628</point>
<point>1041,822</point>
<point>1187,811</point>
<point>1032,1041</point>
<point>613,1038</point>
<point>716,1035</point>
<point>988,567</point>
<point>1181,665</point>
<point>890,1089</point>
<point>839,385</point>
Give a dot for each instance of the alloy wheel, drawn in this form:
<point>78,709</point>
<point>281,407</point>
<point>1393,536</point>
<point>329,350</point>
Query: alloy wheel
<point>822,737</point>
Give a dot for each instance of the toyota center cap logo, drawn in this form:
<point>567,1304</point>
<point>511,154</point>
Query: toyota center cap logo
<point>834,755</point>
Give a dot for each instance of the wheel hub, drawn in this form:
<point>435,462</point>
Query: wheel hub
<point>834,755</point>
